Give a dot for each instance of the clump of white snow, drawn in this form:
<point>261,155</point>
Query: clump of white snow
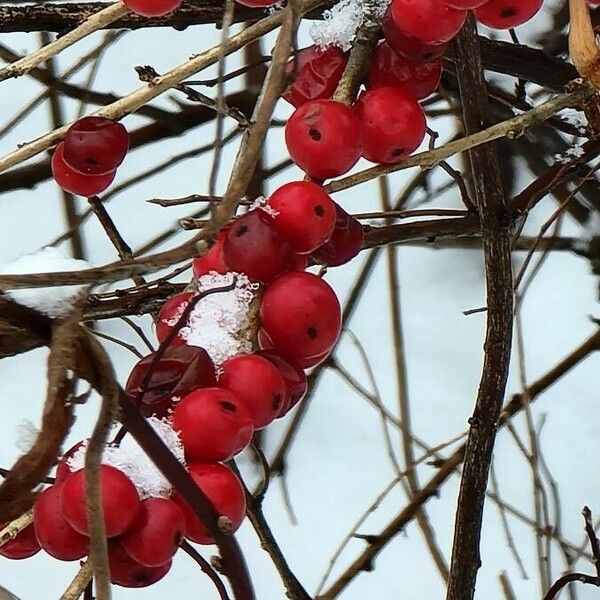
<point>569,155</point>
<point>342,21</point>
<point>27,434</point>
<point>53,301</point>
<point>133,461</point>
<point>219,321</point>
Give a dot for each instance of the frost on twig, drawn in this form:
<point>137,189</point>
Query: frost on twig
<point>340,23</point>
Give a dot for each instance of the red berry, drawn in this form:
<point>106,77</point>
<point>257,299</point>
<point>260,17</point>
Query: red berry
<point>169,315</point>
<point>293,378</point>
<point>53,532</point>
<point>213,260</point>
<point>225,492</point>
<point>62,468</point>
<point>74,182</point>
<point>257,383</point>
<point>95,145</point>
<point>390,69</point>
<point>464,4</point>
<point>393,122</point>
<point>126,572</point>
<point>324,138</point>
<point>305,214</point>
<point>23,545</point>
<point>429,21</point>
<point>179,371</point>
<point>301,315</point>
<point>253,246</point>
<point>407,46</point>
<point>155,535</point>
<point>317,72</point>
<point>120,501</point>
<point>152,8</point>
<point>213,424</point>
<point>345,242</point>
<point>504,14</point>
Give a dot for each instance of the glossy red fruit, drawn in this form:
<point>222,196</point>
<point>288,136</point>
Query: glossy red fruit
<point>76,183</point>
<point>23,545</point>
<point>305,214</point>
<point>257,383</point>
<point>152,8</point>
<point>294,379</point>
<point>179,371</point>
<point>317,74</point>
<point>225,492</point>
<point>429,21</point>
<point>213,424</point>
<point>95,145</point>
<point>126,572</point>
<point>464,4</point>
<point>393,122</point>
<point>53,532</point>
<point>390,69</point>
<point>345,242</point>
<point>120,501</point>
<point>169,315</point>
<point>407,46</point>
<point>324,138</point>
<point>62,468</point>
<point>155,535</point>
<point>253,246</point>
<point>213,260</point>
<point>301,315</point>
<point>504,14</point>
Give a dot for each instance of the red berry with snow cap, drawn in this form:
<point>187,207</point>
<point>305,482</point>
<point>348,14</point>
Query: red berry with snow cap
<point>120,501</point>
<point>213,424</point>
<point>303,213</point>
<point>324,138</point>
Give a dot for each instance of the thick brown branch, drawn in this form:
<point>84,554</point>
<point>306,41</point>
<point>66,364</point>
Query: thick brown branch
<point>495,226</point>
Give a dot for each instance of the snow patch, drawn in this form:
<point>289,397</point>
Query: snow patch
<point>56,301</point>
<point>219,322</point>
<point>129,458</point>
<point>27,434</point>
<point>342,21</point>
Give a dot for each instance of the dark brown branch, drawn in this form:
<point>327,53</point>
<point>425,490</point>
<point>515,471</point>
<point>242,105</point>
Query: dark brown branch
<point>495,227</point>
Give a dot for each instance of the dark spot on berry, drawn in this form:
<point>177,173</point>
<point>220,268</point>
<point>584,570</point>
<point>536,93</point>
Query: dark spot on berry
<point>141,576</point>
<point>91,161</point>
<point>426,56</point>
<point>397,152</point>
<point>240,231</point>
<point>315,134</point>
<point>277,400</point>
<point>225,405</point>
<point>507,13</point>
<point>312,332</point>
<point>319,210</point>
<point>177,538</point>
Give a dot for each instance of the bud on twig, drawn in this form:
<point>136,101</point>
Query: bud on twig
<point>583,49</point>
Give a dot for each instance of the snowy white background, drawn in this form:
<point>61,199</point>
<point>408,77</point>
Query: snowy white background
<point>339,463</point>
